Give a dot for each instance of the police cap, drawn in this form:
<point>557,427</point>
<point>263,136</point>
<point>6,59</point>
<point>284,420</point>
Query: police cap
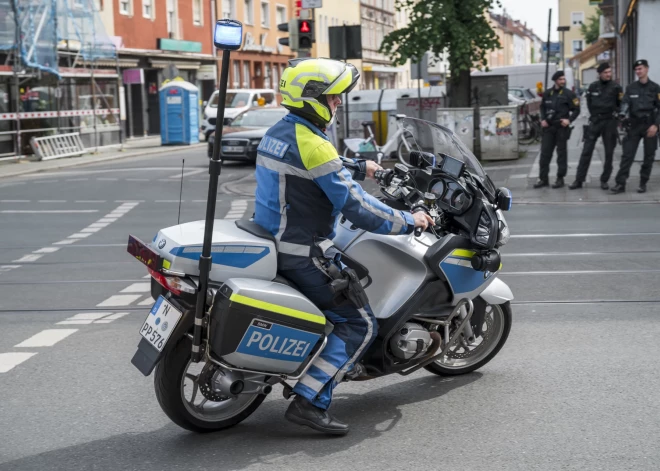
<point>643,62</point>
<point>559,74</point>
<point>603,67</point>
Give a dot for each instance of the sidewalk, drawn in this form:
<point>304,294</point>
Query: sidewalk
<point>590,193</point>
<point>131,148</point>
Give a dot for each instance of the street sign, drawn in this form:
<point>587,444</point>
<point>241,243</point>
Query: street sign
<point>312,3</point>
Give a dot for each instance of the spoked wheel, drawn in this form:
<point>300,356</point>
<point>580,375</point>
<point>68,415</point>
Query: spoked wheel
<point>464,357</point>
<point>186,394</point>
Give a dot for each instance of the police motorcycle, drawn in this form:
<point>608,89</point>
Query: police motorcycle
<point>437,296</point>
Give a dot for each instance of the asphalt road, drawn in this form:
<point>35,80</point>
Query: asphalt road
<point>574,388</point>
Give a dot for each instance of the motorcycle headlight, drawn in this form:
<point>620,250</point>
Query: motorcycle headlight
<point>504,232</point>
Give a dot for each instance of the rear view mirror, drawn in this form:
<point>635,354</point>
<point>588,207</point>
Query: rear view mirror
<point>504,199</point>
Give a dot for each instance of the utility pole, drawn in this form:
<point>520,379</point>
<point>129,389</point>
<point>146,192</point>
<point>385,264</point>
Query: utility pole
<point>547,56</point>
<point>562,30</point>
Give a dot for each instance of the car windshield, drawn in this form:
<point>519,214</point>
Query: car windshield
<point>233,100</point>
<point>430,137</point>
<point>259,118</point>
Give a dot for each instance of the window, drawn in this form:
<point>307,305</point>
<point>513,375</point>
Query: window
<point>197,12</point>
<point>265,14</point>
<point>147,9</point>
<point>228,9</point>
<point>246,74</point>
<point>281,14</point>
<point>171,19</point>
<point>98,5</point>
<point>249,12</point>
<point>276,77</point>
<point>578,46</point>
<point>125,7</point>
<point>268,97</point>
<point>577,18</point>
<point>236,75</point>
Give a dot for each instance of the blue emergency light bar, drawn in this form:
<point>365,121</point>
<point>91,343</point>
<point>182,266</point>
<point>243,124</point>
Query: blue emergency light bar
<point>228,34</point>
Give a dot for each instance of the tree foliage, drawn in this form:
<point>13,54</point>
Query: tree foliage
<point>459,27</point>
<point>591,29</point>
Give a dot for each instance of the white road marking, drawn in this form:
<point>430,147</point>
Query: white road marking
<point>552,236</point>
<point>28,258</point>
<point>6,268</point>
<point>100,225</point>
<point>189,173</point>
<point>84,318</point>
<point>137,179</point>
<point>506,167</point>
<point>169,201</point>
<point>132,203</point>
<point>90,230</point>
<point>107,179</point>
<point>77,179</point>
<point>46,338</point>
<point>90,201</point>
<point>52,201</point>
<point>14,201</point>
<point>12,359</point>
<point>115,215</point>
<point>50,211</point>
<point>203,201</point>
<point>111,318</point>
<point>79,235</point>
<point>147,302</point>
<point>107,220</point>
<point>137,288</point>
<point>47,250</point>
<point>66,242</point>
<point>119,300</point>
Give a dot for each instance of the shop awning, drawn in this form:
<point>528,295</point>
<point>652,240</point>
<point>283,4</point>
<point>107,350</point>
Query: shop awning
<point>183,65</point>
<point>592,51</point>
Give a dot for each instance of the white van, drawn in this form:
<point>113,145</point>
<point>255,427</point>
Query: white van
<point>238,100</point>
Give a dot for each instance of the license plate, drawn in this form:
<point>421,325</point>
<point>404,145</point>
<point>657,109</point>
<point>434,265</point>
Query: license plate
<point>160,323</point>
<point>233,149</point>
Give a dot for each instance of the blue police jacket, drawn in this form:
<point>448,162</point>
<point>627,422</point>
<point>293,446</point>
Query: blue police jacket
<point>302,187</point>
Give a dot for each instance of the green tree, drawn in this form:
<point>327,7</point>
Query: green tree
<point>591,29</point>
<point>459,27</point>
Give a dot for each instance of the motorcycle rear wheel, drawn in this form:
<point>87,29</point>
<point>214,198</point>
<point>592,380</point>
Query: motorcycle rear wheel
<point>460,361</point>
<point>170,381</point>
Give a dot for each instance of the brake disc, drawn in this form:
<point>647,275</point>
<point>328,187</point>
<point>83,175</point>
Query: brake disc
<point>205,383</point>
<point>466,353</point>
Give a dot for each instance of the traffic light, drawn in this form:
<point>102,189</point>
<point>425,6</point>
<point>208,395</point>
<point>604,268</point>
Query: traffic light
<point>292,28</point>
<point>305,34</point>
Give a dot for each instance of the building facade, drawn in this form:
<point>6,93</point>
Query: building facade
<point>260,61</point>
<point>574,13</point>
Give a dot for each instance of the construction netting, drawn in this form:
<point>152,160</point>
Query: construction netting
<point>44,26</point>
<point>79,22</point>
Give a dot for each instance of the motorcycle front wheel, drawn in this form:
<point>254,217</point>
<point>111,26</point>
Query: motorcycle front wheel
<point>182,396</point>
<point>463,358</point>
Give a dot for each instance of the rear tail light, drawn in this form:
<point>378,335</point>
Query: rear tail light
<point>174,284</point>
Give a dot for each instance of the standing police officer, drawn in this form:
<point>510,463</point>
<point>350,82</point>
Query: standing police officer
<point>641,104</point>
<point>559,108</point>
<point>604,100</point>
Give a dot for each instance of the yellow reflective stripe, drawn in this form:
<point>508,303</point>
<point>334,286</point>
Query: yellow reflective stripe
<point>286,311</point>
<point>341,85</point>
<point>166,264</point>
<point>314,150</point>
<point>463,253</point>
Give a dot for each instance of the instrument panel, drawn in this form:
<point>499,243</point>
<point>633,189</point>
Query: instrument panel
<point>451,195</point>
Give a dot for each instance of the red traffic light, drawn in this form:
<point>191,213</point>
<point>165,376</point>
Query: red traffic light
<point>304,27</point>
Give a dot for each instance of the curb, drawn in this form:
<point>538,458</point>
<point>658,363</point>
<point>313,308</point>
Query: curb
<point>74,162</point>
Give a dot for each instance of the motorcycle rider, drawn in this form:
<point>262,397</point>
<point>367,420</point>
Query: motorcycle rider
<point>302,186</point>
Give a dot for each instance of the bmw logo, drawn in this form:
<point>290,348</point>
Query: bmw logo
<point>162,243</point>
<point>164,326</point>
<point>157,320</point>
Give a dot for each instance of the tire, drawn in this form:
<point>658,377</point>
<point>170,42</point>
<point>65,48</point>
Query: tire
<point>169,392</point>
<point>442,369</point>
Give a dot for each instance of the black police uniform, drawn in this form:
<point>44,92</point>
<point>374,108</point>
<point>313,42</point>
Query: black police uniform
<point>557,104</point>
<point>642,102</point>
<point>603,101</point>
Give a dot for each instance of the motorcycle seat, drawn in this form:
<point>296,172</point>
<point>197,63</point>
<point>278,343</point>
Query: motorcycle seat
<point>255,229</point>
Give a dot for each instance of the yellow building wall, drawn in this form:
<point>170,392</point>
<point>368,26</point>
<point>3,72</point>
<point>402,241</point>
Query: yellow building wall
<point>566,9</point>
<point>334,13</point>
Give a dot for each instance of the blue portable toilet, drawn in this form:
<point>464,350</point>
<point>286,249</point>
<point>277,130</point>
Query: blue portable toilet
<point>179,113</point>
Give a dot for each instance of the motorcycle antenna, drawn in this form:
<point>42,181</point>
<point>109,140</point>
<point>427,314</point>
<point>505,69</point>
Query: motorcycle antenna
<point>227,36</point>
<point>178,219</point>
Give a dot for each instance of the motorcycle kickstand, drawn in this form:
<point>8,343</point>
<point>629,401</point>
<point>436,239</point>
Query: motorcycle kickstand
<point>287,390</point>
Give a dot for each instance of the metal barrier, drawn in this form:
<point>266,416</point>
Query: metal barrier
<point>57,146</point>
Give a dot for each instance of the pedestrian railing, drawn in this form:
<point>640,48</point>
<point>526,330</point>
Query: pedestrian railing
<point>57,146</point>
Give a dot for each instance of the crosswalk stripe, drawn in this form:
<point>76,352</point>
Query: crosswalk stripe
<point>137,288</point>
<point>119,300</point>
<point>46,338</point>
<point>12,359</point>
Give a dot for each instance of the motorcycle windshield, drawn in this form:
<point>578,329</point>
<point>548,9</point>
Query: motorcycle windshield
<point>430,137</point>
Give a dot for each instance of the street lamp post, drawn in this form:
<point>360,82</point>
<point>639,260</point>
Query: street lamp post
<point>562,30</point>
